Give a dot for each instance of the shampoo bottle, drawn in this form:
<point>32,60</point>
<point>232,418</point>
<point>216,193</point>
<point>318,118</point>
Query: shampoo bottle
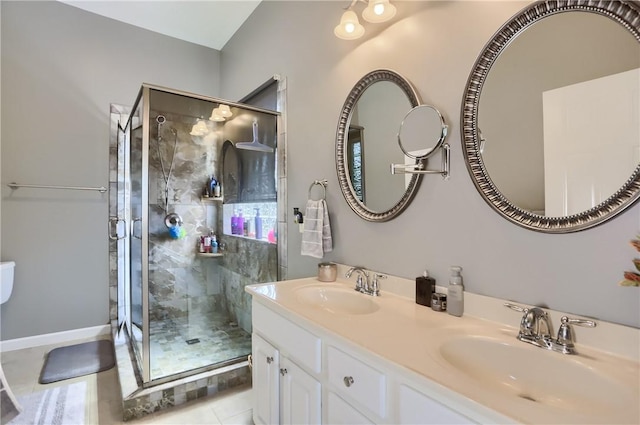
<point>258,224</point>
<point>240,226</point>
<point>455,293</point>
<point>234,223</point>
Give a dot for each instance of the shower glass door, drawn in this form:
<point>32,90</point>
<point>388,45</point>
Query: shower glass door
<point>133,215</point>
<point>188,310</point>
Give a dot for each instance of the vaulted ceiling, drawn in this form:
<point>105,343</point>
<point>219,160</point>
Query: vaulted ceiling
<point>209,23</point>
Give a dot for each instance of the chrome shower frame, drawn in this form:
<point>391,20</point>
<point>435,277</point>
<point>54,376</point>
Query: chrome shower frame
<point>143,99</point>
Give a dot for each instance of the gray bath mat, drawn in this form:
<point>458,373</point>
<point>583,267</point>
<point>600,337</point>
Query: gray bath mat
<point>77,360</point>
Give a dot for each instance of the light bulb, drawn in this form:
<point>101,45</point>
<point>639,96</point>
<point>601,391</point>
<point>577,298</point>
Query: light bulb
<point>378,9</point>
<point>350,27</point>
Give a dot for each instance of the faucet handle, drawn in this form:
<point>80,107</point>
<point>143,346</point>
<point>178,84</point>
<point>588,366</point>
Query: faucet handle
<point>375,286</point>
<point>516,307</point>
<point>579,322</point>
<point>565,332</point>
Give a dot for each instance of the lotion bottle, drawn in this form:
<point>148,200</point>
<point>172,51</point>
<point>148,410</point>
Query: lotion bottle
<point>455,292</point>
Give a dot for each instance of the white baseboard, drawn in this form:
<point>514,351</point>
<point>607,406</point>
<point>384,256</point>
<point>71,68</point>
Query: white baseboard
<point>54,338</point>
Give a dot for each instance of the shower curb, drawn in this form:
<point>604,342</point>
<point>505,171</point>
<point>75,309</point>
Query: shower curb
<point>138,402</point>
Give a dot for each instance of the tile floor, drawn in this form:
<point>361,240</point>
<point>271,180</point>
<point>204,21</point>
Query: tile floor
<point>220,341</point>
<point>104,404</point>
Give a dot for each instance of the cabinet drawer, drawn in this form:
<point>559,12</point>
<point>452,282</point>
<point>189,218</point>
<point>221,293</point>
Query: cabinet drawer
<point>415,407</point>
<point>291,340</point>
<point>357,381</point>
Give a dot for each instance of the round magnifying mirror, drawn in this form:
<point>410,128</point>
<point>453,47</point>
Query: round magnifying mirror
<point>419,129</point>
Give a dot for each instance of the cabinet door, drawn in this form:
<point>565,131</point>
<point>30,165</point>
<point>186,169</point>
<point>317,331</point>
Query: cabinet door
<point>265,382</point>
<point>339,412</point>
<point>300,396</point>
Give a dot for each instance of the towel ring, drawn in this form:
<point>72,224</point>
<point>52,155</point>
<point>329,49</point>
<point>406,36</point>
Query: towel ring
<point>322,183</point>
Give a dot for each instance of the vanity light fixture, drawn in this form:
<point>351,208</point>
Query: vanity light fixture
<point>216,115</point>
<point>199,132</point>
<point>199,129</point>
<point>376,11</point>
<point>221,113</point>
<point>349,28</point>
<point>379,11</point>
<point>225,111</point>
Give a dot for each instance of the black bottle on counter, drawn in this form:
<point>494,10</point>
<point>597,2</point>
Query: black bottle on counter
<point>425,287</point>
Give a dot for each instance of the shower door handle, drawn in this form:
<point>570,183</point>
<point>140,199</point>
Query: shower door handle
<point>113,228</point>
<point>133,227</point>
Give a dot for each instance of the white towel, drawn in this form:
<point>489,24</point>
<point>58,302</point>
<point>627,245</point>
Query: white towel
<point>316,237</point>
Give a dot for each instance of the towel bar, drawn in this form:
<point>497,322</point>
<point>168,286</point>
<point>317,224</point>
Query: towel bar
<point>14,185</point>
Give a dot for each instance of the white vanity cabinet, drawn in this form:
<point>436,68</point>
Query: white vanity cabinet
<point>415,407</point>
<point>266,386</point>
<point>300,395</point>
<point>360,383</point>
<point>308,376</point>
<point>284,393</point>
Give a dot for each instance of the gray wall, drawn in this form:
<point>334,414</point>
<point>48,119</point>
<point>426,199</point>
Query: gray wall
<point>61,68</point>
<point>434,45</point>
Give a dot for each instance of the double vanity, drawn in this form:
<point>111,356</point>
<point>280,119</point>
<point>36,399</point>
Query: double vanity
<point>324,353</point>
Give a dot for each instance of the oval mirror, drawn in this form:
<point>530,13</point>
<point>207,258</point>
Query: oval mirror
<point>550,117</point>
<point>366,143</point>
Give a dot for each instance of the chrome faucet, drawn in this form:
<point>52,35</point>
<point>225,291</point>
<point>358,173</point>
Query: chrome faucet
<point>535,329</point>
<point>362,281</point>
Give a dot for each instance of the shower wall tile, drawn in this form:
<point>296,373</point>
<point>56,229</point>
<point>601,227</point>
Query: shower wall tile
<point>246,262</point>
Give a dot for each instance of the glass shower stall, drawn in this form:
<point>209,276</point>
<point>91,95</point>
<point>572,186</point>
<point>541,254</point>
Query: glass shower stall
<point>192,169</point>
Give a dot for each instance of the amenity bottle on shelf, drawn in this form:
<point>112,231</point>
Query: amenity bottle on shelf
<point>234,223</point>
<point>240,224</point>
<point>258,224</point>
<point>214,243</point>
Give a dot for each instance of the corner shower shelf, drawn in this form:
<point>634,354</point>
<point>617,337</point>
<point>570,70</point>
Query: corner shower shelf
<point>209,254</point>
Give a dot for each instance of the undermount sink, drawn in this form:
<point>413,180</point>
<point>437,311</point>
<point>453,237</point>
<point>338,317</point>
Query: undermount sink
<point>336,300</point>
<point>535,374</point>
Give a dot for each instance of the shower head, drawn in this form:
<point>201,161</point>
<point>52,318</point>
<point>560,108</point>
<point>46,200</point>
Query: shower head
<point>254,145</point>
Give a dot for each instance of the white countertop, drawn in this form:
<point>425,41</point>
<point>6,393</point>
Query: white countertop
<point>409,335</point>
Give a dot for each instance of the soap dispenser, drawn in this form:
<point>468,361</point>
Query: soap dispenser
<point>455,292</point>
<point>425,287</point>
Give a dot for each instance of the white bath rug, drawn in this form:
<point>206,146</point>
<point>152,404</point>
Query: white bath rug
<point>63,405</point>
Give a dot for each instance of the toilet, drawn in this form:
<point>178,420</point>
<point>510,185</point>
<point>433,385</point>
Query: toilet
<point>6,280</point>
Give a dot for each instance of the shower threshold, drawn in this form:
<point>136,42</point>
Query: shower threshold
<point>139,400</point>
